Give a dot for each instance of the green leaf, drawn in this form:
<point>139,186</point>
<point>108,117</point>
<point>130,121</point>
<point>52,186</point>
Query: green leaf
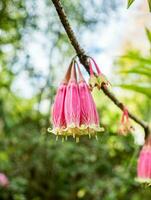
<point>149,4</point>
<point>129,3</point>
<point>143,90</point>
<point>148,33</point>
<point>137,58</point>
<point>137,70</point>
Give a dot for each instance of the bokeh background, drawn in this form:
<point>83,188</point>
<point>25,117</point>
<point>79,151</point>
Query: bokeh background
<point>34,54</point>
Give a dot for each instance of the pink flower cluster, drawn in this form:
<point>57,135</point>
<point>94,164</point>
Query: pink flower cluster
<point>144,163</point>
<point>74,112</point>
<point>3,180</point>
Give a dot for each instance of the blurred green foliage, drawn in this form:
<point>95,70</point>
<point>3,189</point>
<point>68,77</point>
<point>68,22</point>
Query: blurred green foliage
<point>135,76</point>
<point>140,68</point>
<point>38,168</point>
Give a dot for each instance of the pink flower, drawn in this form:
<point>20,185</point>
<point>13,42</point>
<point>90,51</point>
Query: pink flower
<point>3,180</point>
<point>74,112</point>
<point>89,118</point>
<point>72,103</point>
<point>144,163</point>
<point>98,78</point>
<point>58,115</point>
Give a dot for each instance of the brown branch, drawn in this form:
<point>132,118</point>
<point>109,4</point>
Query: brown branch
<point>83,59</point>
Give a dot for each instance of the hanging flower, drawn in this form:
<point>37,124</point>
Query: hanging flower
<point>72,105</point>
<point>89,118</point>
<point>3,180</point>
<point>74,112</point>
<point>125,126</point>
<point>58,115</point>
<point>144,163</point>
<point>58,118</point>
<point>97,79</point>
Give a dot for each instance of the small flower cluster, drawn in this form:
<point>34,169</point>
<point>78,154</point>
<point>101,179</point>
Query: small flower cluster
<point>96,79</point>
<point>125,126</point>
<point>144,163</point>
<point>74,112</point>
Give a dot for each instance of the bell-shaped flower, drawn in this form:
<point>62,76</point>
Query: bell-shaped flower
<point>144,163</point>
<point>89,118</point>
<point>57,113</point>
<point>58,118</point>
<point>72,105</point>
<point>74,112</point>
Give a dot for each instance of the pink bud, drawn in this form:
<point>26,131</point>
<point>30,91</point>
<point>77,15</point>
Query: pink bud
<point>3,180</point>
<point>125,126</point>
<point>99,78</point>
<point>144,163</point>
<point>86,111</point>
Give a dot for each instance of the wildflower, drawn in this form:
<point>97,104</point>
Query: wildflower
<point>144,163</point>
<point>3,180</point>
<point>72,105</point>
<point>58,109</point>
<point>125,125</point>
<point>58,115</point>
<point>97,79</point>
<point>74,112</point>
<point>89,118</point>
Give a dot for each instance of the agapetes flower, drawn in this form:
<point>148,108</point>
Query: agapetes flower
<point>72,105</point>
<point>89,118</point>
<point>144,163</point>
<point>74,112</point>
<point>57,111</point>
<point>58,117</point>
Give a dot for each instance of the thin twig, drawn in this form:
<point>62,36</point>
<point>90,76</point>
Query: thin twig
<point>83,59</point>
